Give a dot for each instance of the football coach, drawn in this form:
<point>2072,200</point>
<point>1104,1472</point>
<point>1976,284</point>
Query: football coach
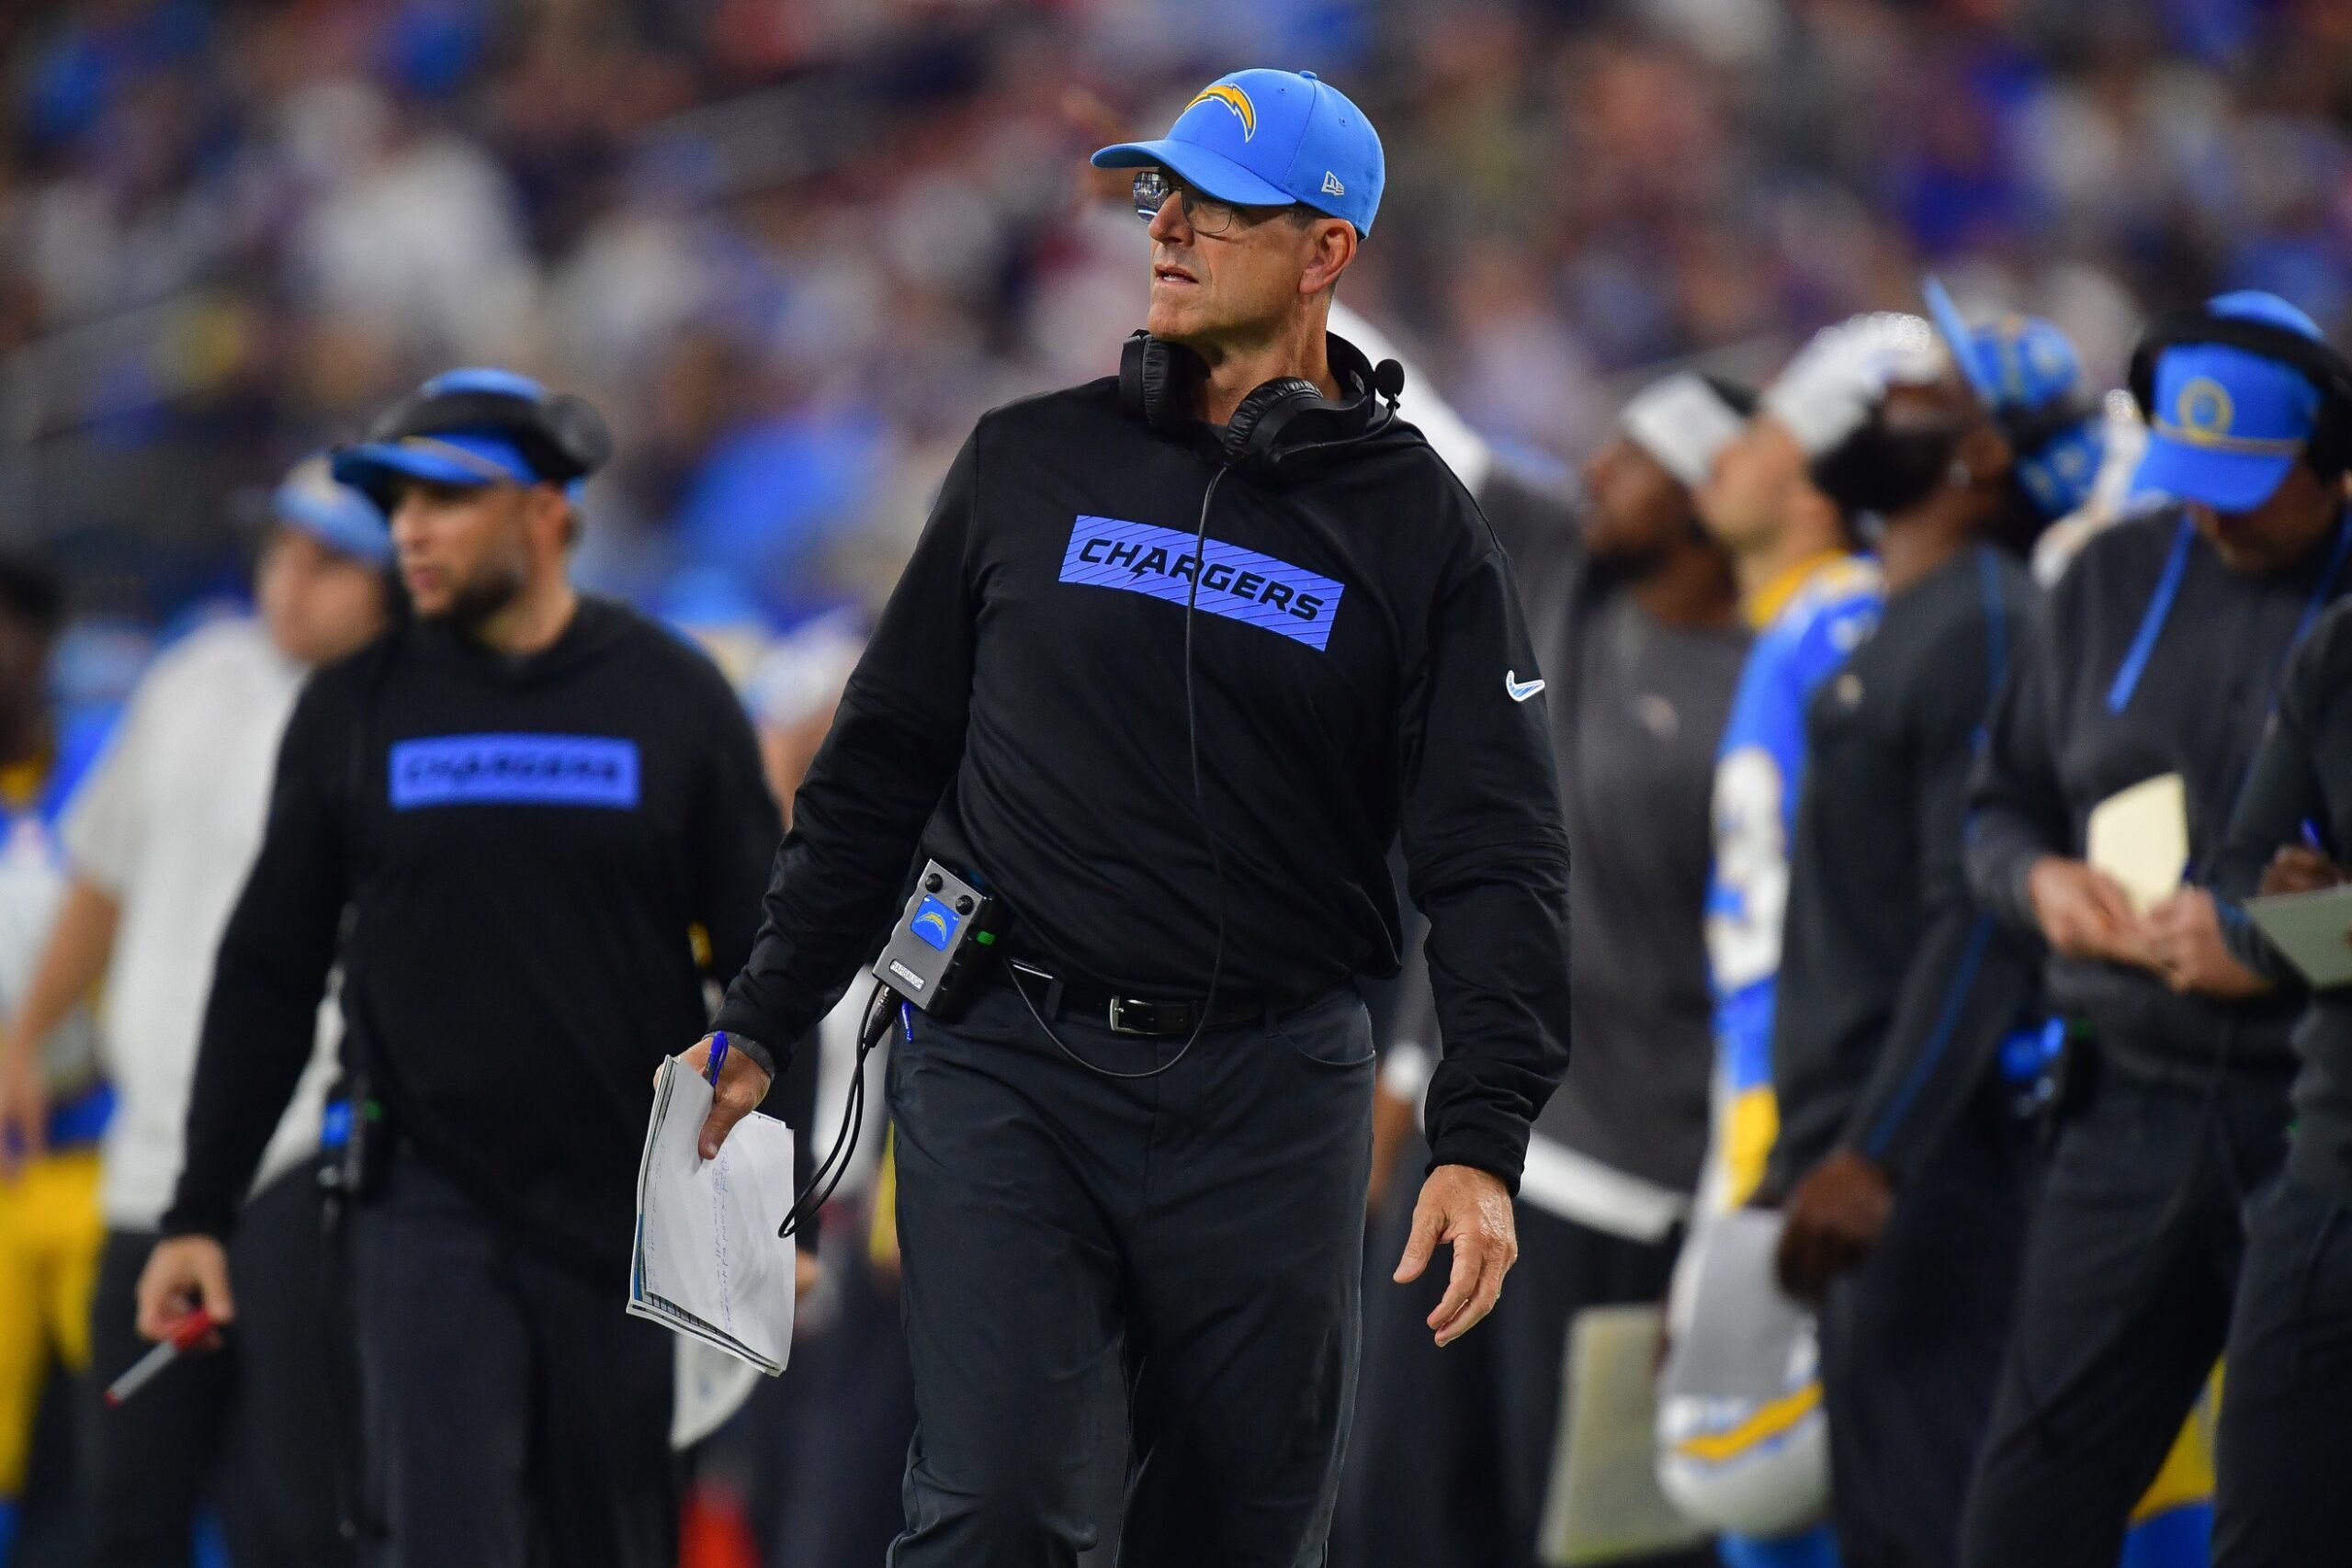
<point>1178,656</point>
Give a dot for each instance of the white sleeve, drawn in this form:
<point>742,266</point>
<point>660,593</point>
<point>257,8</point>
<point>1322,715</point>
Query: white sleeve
<point>103,826</point>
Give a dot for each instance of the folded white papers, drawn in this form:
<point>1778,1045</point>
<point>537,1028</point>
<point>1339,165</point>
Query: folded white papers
<point>2140,837</point>
<point>707,1262</point>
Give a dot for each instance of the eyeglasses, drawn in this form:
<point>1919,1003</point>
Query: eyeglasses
<point>1206,214</point>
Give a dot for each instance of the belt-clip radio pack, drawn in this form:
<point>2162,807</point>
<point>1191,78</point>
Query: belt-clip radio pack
<point>937,943</point>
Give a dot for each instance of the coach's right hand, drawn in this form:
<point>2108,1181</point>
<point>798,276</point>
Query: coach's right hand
<point>742,1085</point>
<point>183,1273</point>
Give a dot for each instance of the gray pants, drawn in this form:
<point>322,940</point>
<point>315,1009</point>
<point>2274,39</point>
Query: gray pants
<point>2123,1304</point>
<point>517,1418</point>
<point>1205,1227</point>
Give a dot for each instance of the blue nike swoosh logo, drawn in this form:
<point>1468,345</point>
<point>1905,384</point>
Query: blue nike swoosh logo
<point>1520,690</point>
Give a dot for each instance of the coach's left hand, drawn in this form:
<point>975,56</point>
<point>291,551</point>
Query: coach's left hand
<point>1470,1210</point>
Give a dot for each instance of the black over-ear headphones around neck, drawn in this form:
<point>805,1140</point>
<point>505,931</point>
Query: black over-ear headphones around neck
<point>2329,451</point>
<point>1279,421</point>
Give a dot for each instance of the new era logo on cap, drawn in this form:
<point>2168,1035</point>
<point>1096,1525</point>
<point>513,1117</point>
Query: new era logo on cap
<point>1332,185</point>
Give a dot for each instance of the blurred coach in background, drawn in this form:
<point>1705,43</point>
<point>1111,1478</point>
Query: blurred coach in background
<point>1177,656</point>
<point>2160,652</point>
<point>1904,1170</point>
<point>528,808</point>
<point>158,845</point>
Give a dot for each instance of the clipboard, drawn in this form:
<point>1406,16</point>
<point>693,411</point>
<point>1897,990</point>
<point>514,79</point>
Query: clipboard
<point>2312,930</point>
<point>1603,1503</point>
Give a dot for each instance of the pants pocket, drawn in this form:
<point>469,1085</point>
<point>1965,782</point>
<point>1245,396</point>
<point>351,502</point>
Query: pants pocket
<point>1335,1032</point>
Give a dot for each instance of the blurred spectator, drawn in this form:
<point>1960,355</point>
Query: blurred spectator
<point>230,227</point>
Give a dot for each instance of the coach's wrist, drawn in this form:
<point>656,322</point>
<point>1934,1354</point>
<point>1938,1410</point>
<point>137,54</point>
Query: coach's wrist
<point>1500,1158</point>
<point>758,1054</point>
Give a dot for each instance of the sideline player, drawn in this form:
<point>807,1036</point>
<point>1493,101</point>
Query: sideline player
<point>1906,1172</point>
<point>51,1229</point>
<point>50,1225</point>
<point>1811,601</point>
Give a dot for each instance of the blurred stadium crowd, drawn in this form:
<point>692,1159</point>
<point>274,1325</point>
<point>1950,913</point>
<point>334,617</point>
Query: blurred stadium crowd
<point>793,249</point>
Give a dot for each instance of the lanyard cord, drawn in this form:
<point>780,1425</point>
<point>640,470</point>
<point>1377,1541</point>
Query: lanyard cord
<point>2151,622</point>
<point>1200,811</point>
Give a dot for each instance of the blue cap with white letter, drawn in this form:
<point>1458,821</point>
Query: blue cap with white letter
<point>1269,139</point>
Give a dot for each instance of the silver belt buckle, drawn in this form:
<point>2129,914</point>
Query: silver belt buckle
<point>1118,1025</point>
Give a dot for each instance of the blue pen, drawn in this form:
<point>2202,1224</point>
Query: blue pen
<point>718,1056</point>
<point>2311,836</point>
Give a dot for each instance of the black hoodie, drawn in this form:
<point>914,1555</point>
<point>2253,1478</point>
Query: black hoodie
<point>1359,665</point>
<point>526,848</point>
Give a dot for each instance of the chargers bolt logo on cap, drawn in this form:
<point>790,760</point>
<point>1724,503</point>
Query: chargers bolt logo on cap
<point>1234,98</point>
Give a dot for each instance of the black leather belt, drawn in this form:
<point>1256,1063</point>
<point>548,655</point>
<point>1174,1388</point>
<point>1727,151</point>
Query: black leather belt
<point>1150,1018</point>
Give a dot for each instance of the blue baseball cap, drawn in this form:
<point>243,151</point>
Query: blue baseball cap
<point>498,450</point>
<point>1269,139</point>
<point>2225,425</point>
<point>2023,366</point>
<point>341,518</point>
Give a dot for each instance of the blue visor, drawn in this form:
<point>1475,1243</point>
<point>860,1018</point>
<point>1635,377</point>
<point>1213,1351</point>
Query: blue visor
<point>452,457</point>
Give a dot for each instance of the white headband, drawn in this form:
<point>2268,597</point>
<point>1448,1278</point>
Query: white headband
<point>1682,422</point>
